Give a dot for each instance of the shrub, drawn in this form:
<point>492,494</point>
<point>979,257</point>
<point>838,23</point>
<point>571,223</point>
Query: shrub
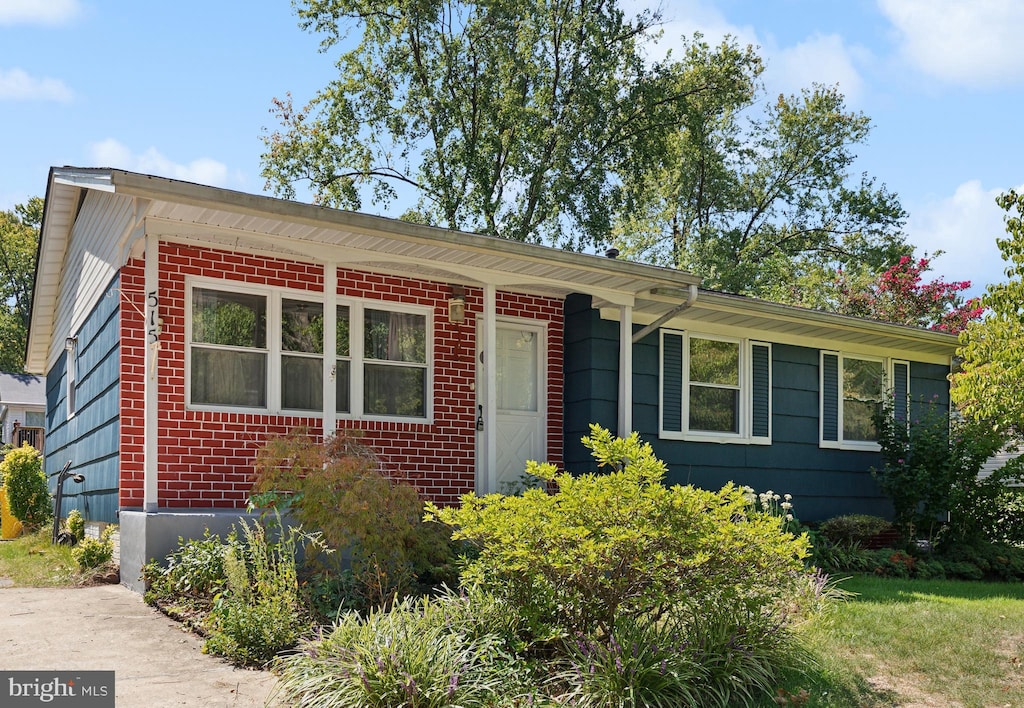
<point>337,489</point>
<point>412,654</point>
<point>853,529</point>
<point>259,613</point>
<point>27,493</point>
<point>93,552</point>
<point>603,546</point>
<point>931,466</point>
<point>195,570</point>
<point>75,524</point>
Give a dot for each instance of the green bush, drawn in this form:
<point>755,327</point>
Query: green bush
<point>194,570</point>
<point>930,468</point>
<point>412,655</point>
<point>93,552</point>
<point>337,489</point>
<point>853,529</point>
<point>604,546</point>
<point>259,613</point>
<point>25,482</point>
<point>75,524</point>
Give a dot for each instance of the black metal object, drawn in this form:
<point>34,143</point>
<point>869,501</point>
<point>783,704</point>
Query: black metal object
<point>58,497</point>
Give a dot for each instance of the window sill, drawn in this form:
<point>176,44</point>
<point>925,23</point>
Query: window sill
<point>711,438</point>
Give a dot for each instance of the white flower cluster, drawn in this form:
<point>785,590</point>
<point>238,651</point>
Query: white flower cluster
<point>771,502</point>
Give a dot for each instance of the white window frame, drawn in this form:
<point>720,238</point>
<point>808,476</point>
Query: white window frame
<point>71,375</point>
<point>356,358</point>
<point>745,434</point>
<point>888,376</point>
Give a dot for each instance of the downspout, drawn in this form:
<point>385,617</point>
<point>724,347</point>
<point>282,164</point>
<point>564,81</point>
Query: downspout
<point>686,304</point>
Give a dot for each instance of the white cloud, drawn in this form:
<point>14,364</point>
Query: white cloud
<point>17,85</point>
<point>823,59</point>
<point>969,43</point>
<point>43,12</point>
<point>205,170</point>
<point>965,226</point>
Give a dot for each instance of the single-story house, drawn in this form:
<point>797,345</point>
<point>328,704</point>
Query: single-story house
<point>22,409</point>
<point>179,326</point>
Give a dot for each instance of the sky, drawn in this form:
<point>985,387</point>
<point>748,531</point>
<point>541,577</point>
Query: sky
<point>183,90</point>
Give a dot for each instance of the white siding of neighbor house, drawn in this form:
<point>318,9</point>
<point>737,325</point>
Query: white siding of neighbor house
<point>996,461</point>
<point>90,264</point>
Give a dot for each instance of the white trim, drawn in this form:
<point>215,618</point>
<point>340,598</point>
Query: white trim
<point>744,386</point>
<point>71,376</point>
<point>625,421</point>
<point>151,327</point>
<point>273,351</point>
<point>841,443</point>
<point>330,356</point>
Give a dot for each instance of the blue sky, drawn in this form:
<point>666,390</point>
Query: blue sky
<point>183,89</point>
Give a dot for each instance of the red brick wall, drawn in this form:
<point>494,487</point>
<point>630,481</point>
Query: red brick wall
<point>205,457</point>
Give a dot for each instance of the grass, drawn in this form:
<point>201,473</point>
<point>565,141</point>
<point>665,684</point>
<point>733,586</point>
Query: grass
<point>915,642</point>
<point>893,642</point>
<point>32,561</point>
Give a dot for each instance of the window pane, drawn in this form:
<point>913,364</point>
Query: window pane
<point>714,409</point>
<point>342,387</point>
<point>395,336</point>
<point>712,361</point>
<point>233,378</point>
<point>35,419</point>
<point>229,319</point>
<point>517,369</point>
<point>302,383</point>
<point>343,331</point>
<point>863,390</point>
<point>302,326</point>
<point>858,421</point>
<point>395,390</point>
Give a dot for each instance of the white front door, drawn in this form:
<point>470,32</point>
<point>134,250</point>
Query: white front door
<point>520,427</point>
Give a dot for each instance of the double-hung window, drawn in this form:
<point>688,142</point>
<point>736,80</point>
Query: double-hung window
<point>853,390</point>
<point>261,349</point>
<point>715,388</point>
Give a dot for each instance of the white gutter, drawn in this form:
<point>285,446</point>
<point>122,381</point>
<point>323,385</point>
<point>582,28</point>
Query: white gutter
<point>686,304</point>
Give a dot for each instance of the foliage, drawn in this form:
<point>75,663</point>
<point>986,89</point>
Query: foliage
<point>25,481</point>
<point>94,552</point>
<point>32,560</point>
<point>853,529</point>
<point>898,295</point>
<point>259,613</point>
<point>757,205</point>
<point>195,569</point>
<point>931,466</point>
<point>511,118</point>
<point>75,523</point>
<point>412,654</point>
<point>337,489</point>
<point>19,239</point>
<point>605,546</point>
<point>987,386</point>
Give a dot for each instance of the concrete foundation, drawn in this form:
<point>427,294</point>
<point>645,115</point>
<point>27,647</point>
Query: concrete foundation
<point>155,534</point>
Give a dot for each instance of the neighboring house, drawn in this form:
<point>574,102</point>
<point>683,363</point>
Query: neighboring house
<point>179,326</point>
<point>22,409</point>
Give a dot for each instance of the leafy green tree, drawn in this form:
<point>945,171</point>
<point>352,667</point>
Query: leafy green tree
<point>21,472</point>
<point>516,118</point>
<point>988,385</point>
<point>761,205</point>
<point>19,241</point>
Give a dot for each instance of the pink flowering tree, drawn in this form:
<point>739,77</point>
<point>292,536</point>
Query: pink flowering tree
<point>899,295</point>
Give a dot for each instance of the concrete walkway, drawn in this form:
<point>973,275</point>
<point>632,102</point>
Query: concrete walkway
<point>109,627</point>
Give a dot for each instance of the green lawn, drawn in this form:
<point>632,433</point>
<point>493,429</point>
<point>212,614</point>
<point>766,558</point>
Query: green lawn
<point>31,561</point>
<point>916,642</point>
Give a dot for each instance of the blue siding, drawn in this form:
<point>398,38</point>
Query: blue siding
<point>824,482</point>
<point>90,438</point>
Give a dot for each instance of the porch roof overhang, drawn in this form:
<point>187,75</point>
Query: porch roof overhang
<point>187,212</point>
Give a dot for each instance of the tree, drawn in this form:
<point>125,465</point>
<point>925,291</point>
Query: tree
<point>898,295</point>
<point>19,241</point>
<point>516,118</point>
<point>988,385</point>
<point>756,204</point>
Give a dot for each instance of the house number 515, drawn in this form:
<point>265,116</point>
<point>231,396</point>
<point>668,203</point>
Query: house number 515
<point>153,321</point>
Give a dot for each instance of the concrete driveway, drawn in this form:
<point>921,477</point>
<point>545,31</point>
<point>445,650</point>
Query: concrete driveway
<point>109,627</point>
